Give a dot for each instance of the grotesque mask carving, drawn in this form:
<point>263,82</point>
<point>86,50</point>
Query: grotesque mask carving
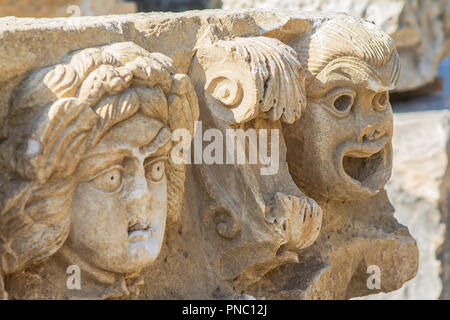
<point>341,147</point>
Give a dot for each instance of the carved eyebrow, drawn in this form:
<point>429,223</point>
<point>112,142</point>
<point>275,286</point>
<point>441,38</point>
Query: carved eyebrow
<point>116,154</point>
<point>99,159</point>
<point>377,87</point>
<point>343,73</point>
<point>97,162</point>
<point>150,160</point>
<point>339,90</point>
<point>334,85</point>
<point>369,78</point>
<point>158,141</point>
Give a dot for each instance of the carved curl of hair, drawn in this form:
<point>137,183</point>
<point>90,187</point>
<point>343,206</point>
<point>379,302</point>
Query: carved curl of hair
<point>254,77</point>
<point>72,105</point>
<point>346,37</point>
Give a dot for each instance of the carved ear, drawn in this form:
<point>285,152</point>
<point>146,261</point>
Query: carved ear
<point>246,78</point>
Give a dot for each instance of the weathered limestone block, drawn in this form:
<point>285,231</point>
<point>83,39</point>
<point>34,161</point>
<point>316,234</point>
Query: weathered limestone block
<point>65,8</point>
<point>298,225</point>
<point>420,29</point>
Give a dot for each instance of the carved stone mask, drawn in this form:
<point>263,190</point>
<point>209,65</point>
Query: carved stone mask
<point>341,147</point>
<point>87,145</point>
<point>120,205</point>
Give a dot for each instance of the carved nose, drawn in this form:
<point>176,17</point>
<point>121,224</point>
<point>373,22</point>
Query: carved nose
<point>138,211</point>
<point>371,133</point>
<point>138,203</point>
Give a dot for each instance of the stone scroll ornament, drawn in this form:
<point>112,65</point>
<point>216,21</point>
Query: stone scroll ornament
<point>251,222</point>
<point>85,176</point>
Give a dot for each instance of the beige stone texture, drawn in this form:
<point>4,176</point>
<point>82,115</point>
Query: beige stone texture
<point>416,187</point>
<point>64,8</point>
<point>420,29</point>
<point>119,86</point>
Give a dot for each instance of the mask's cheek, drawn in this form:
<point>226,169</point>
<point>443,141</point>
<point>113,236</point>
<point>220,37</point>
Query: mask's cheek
<point>145,252</point>
<point>313,155</point>
<point>158,207</point>
<point>99,227</point>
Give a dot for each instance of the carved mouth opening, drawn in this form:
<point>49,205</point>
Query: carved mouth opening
<point>139,226</point>
<point>362,168</point>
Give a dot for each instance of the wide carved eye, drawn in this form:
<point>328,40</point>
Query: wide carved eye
<point>109,181</point>
<point>380,101</point>
<point>340,102</point>
<point>155,171</point>
<point>343,103</point>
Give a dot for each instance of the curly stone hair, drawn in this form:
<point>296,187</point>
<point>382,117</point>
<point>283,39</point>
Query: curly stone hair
<point>344,37</point>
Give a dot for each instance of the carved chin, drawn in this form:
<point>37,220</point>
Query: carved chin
<point>143,252</point>
<point>367,169</point>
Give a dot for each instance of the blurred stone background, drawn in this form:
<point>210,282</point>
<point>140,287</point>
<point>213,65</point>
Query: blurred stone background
<point>420,185</point>
<point>65,8</point>
<point>176,5</point>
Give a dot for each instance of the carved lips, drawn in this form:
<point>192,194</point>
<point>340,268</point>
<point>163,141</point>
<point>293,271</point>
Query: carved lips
<point>367,164</point>
<point>139,232</point>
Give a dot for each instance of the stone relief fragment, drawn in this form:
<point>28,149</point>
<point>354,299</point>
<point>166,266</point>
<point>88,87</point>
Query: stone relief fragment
<point>271,227</point>
<point>86,176</point>
<point>253,221</point>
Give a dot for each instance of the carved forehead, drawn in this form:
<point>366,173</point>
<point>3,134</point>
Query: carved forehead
<point>137,131</point>
<point>354,72</point>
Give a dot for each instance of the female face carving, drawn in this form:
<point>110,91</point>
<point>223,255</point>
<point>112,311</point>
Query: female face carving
<point>91,153</point>
<point>345,135</point>
<point>119,207</point>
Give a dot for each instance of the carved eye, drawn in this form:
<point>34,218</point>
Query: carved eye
<point>380,101</point>
<point>155,170</point>
<point>340,102</point>
<point>343,103</point>
<point>109,180</point>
